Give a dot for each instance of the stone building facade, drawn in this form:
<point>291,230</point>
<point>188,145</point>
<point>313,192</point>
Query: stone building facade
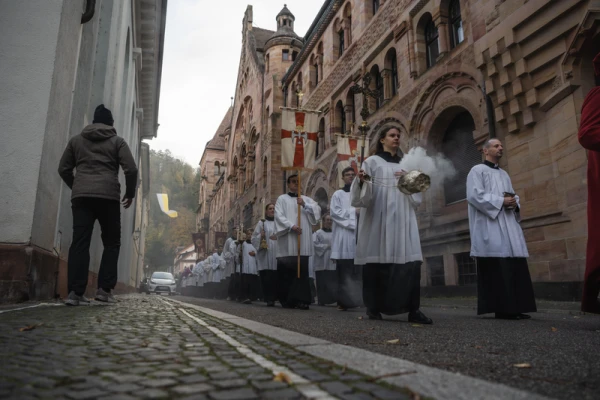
<point>450,74</point>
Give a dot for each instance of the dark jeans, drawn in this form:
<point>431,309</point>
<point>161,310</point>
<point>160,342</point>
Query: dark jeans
<point>86,210</point>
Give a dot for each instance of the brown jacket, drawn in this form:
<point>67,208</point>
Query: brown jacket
<point>96,154</point>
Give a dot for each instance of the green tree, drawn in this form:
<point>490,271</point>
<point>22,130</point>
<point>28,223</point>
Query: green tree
<point>181,182</point>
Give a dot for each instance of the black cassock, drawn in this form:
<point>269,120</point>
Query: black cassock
<point>349,283</point>
<point>504,286</point>
<point>392,288</point>
<point>292,290</point>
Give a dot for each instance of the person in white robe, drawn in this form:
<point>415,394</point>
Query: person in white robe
<point>343,245</point>
<point>250,281</point>
<point>267,258</point>
<point>388,244</point>
<point>198,279</point>
<point>232,256</point>
<point>325,273</point>
<point>294,291</point>
<point>209,286</point>
<point>218,267</point>
<point>497,242</point>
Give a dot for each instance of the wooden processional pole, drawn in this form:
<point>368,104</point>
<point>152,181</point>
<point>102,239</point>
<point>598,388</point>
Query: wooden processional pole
<point>299,219</point>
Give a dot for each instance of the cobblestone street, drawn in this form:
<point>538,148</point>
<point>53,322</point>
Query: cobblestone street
<point>147,347</point>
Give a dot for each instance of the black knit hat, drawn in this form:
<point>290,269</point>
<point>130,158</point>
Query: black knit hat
<point>102,115</point>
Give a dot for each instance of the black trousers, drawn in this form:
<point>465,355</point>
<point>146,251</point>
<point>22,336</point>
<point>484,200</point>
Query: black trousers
<point>392,288</point>
<point>86,210</point>
<point>292,290</point>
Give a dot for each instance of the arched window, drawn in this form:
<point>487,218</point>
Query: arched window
<point>340,117</point>
<point>267,59</point>
<point>264,172</point>
<point>391,65</point>
<point>456,26</point>
<point>377,84</point>
<point>217,169</point>
<point>431,42</point>
<point>321,138</point>
<point>268,119</point>
<point>375,6</point>
<point>341,42</point>
<point>458,146</point>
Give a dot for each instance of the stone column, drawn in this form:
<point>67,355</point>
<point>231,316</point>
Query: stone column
<point>320,66</point>
<point>441,24</point>
<point>412,61</point>
<point>346,26</point>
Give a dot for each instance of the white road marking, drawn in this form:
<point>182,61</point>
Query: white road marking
<point>304,386</point>
<point>36,305</point>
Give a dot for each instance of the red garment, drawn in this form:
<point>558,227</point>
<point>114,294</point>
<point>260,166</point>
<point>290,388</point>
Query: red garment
<point>589,137</point>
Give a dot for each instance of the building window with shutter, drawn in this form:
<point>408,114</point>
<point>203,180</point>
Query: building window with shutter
<point>458,146</point>
<point>375,6</point>
<point>285,55</point>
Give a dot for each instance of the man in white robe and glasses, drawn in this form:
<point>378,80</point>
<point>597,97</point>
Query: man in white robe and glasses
<point>343,245</point>
<point>503,282</point>
<point>388,244</point>
<point>294,291</point>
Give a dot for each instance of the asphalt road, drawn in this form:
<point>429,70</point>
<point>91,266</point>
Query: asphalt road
<point>562,347</point>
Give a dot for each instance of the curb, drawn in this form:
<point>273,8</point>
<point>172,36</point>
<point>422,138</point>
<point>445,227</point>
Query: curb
<point>428,381</point>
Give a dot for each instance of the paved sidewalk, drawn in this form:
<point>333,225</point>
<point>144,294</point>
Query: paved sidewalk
<point>149,347</point>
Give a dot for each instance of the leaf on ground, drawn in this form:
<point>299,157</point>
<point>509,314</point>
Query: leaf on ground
<point>283,377</point>
<point>417,325</point>
<point>360,317</point>
<point>554,329</point>
<point>394,341</point>
<point>522,365</point>
<point>576,316</point>
<point>478,347</point>
<point>29,328</point>
<point>144,344</point>
<point>344,370</point>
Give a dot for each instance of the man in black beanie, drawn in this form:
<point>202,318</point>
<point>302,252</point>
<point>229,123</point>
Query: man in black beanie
<point>96,154</point>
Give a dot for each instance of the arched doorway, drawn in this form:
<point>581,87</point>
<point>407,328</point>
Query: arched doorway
<point>322,199</point>
<point>459,147</point>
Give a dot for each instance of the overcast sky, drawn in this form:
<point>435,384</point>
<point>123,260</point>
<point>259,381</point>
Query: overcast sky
<point>200,64</point>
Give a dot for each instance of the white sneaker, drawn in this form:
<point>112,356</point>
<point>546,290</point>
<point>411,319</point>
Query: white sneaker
<point>72,299</point>
<point>102,295</point>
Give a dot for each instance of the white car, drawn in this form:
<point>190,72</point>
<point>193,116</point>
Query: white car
<point>162,282</point>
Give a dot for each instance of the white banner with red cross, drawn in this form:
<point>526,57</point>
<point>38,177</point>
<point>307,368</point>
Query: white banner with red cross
<point>299,132</point>
<point>348,153</point>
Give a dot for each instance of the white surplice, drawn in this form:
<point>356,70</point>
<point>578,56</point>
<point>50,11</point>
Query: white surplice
<point>208,271</point>
<point>286,216</point>
<point>249,262</point>
<point>218,267</point>
<point>387,230</point>
<point>322,257</point>
<point>311,267</point>
<point>343,242</point>
<point>495,230</point>
<point>229,256</point>
<point>266,258</point>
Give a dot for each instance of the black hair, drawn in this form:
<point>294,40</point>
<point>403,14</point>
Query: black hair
<point>290,177</point>
<point>347,169</point>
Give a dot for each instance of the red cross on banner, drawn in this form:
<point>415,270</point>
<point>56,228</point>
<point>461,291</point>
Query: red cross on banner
<point>348,154</point>
<point>298,139</point>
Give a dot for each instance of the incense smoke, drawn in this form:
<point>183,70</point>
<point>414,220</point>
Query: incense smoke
<point>438,167</point>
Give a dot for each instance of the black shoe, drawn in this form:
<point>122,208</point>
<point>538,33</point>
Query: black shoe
<point>302,306</point>
<point>374,314</point>
<point>524,316</point>
<point>507,316</point>
<point>286,305</point>
<point>419,318</point>
<point>270,304</point>
<point>247,301</point>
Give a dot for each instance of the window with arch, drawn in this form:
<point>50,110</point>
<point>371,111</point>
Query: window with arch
<point>375,6</point>
<point>340,117</point>
<point>341,42</point>
<point>456,26</point>
<point>265,171</point>
<point>391,64</point>
<point>377,80</point>
<point>268,118</point>
<point>217,168</point>
<point>459,147</point>
<point>267,62</point>
<point>321,138</point>
<point>431,43</point>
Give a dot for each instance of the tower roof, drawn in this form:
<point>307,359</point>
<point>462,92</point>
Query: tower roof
<point>285,12</point>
